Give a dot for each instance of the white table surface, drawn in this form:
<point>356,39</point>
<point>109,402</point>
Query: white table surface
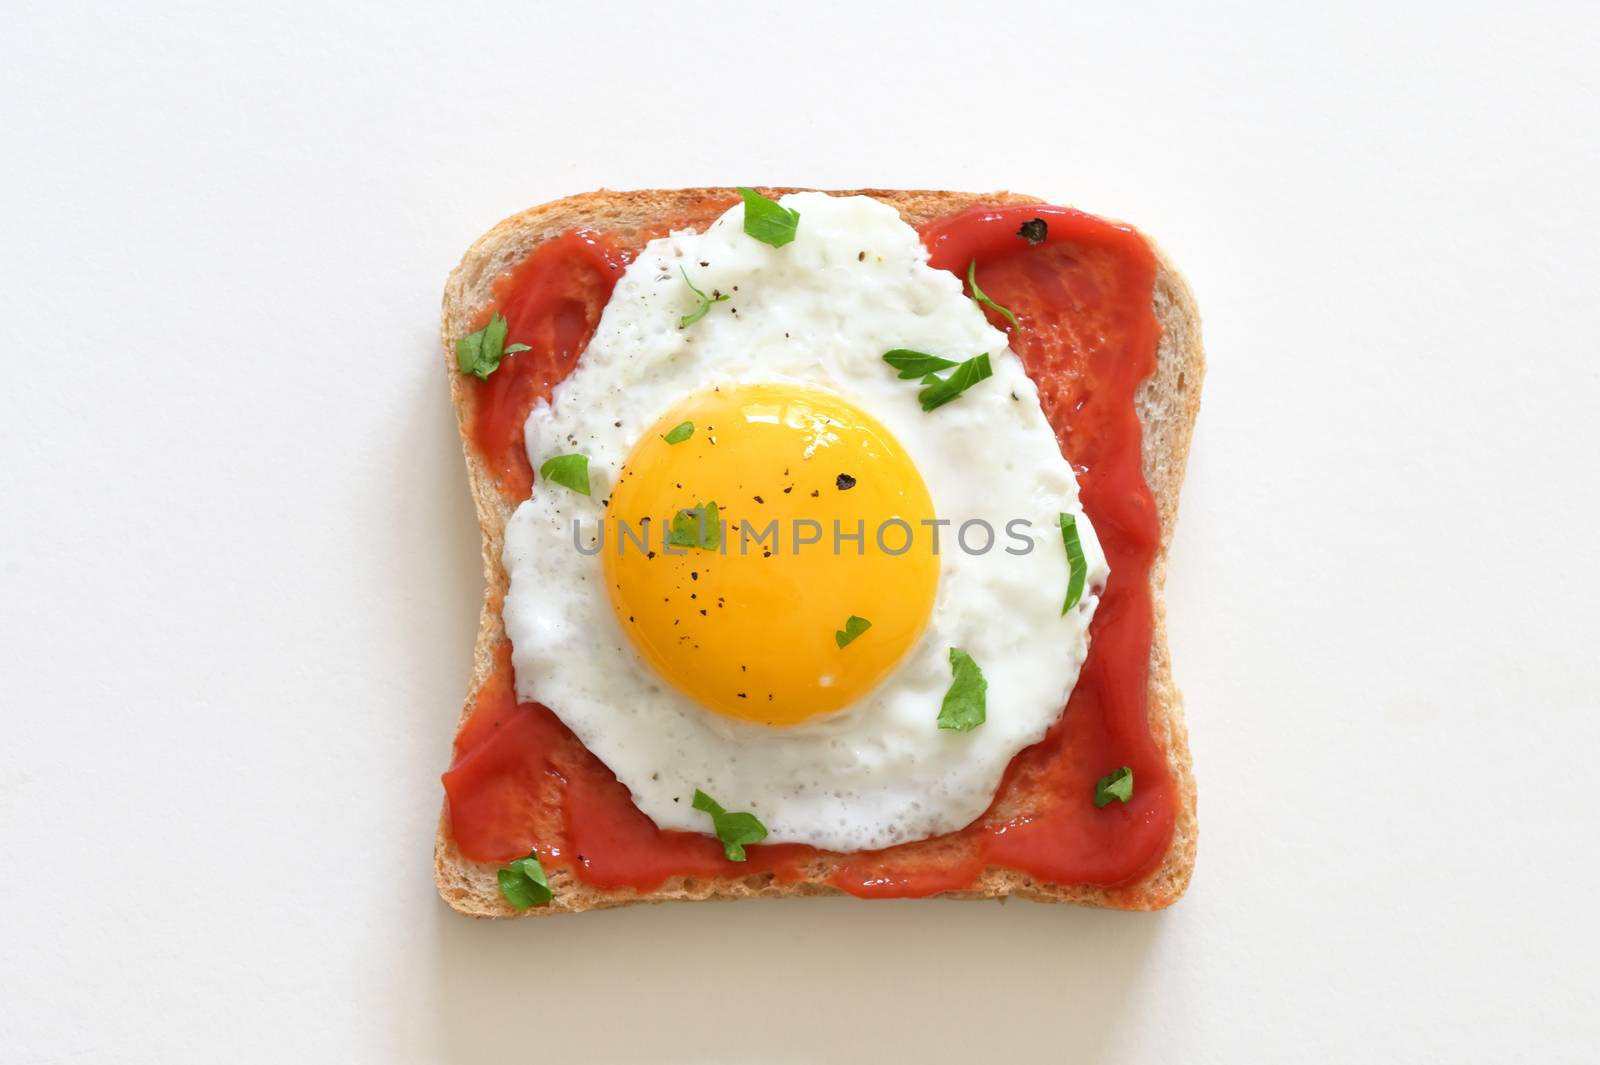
<point>240,567</point>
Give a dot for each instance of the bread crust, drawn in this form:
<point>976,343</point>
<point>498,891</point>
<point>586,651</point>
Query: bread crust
<point>1167,402</point>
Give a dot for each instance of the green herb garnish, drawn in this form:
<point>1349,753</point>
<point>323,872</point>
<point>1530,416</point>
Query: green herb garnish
<point>679,433</point>
<point>1117,784</point>
<point>765,220</point>
<point>941,390</point>
<point>569,471</point>
<point>479,353</point>
<point>853,627</point>
<point>914,364</point>
<point>705,302</point>
<point>1079,570</point>
<point>696,527</point>
<point>523,883</point>
<point>734,830</point>
<point>983,300</point>
<point>964,704</point>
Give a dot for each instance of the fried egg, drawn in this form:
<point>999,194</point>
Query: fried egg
<point>780,547</point>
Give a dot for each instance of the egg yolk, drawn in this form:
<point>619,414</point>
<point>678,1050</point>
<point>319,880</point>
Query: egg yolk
<point>746,530</point>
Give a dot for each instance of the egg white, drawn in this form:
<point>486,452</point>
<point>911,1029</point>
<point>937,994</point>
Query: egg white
<point>820,311</point>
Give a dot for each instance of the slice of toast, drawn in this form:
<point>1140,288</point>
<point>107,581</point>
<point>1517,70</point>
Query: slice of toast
<point>1167,404</point>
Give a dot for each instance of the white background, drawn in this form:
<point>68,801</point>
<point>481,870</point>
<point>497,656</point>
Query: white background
<point>240,573</point>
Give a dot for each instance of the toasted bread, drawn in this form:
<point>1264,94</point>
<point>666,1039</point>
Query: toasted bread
<point>1167,405</point>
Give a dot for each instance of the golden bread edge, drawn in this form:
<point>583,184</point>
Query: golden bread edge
<point>1168,403</point>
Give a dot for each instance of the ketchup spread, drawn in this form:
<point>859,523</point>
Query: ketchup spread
<point>1087,336</point>
<point>552,302</point>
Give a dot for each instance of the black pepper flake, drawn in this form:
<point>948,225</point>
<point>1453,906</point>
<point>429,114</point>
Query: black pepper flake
<point>741,695</point>
<point>815,492</point>
<point>861,256</point>
<point>616,425</point>
<point>758,499</point>
<point>1034,231</point>
<point>786,491</point>
<point>650,554</point>
<point>694,575</point>
<point>844,482</point>
<point>702,611</point>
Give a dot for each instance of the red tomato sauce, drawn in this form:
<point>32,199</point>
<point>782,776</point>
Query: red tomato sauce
<point>552,302</point>
<point>1087,335</point>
